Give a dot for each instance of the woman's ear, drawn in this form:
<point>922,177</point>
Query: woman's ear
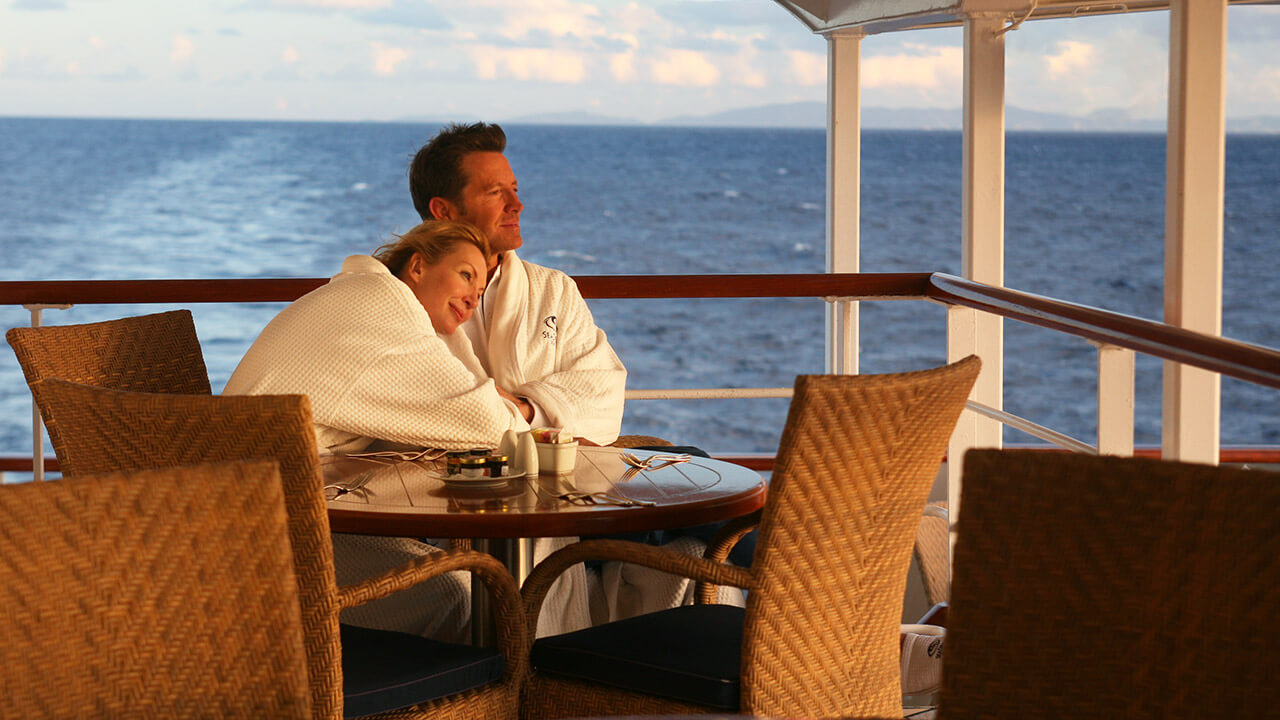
<point>442,208</point>
<point>415,268</point>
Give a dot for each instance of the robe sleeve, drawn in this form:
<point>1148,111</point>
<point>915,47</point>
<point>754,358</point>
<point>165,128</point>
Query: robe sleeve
<point>584,392</point>
<point>418,393</point>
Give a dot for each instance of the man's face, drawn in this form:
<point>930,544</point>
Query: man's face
<point>490,199</point>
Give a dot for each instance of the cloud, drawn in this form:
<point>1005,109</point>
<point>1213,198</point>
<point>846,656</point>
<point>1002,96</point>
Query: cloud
<point>547,65</point>
<point>686,68</point>
<point>330,4</point>
<point>559,18</point>
<point>182,49</point>
<point>408,14</point>
<point>724,13</point>
<point>920,67</point>
<point>2,59</point>
<point>39,5</point>
<point>806,68</point>
<point>97,43</point>
<point>1071,57</point>
<point>386,58</point>
<point>229,32</point>
<point>622,66</point>
<point>73,68</point>
<point>289,54</point>
<point>129,74</point>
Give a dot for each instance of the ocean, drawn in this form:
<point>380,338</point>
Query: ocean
<point>128,199</point>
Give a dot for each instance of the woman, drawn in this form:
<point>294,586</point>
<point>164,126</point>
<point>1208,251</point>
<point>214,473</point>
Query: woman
<point>376,351</point>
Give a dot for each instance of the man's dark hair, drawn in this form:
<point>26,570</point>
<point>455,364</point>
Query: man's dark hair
<point>436,171</point>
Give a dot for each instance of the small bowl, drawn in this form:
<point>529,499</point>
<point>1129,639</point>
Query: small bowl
<point>556,458</point>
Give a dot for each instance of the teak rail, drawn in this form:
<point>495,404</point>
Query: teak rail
<point>1251,363</point>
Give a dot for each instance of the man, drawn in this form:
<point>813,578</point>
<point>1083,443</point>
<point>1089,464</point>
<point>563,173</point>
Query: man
<point>533,332</point>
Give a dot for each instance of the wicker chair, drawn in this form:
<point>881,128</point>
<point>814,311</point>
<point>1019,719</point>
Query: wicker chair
<point>1112,587</point>
<point>933,552</point>
<point>105,428</point>
<point>632,441</point>
<point>819,636</point>
<point>147,353</point>
<point>165,594</point>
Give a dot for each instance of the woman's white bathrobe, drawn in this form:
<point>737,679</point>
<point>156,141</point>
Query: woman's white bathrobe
<point>538,340</point>
<point>363,349</point>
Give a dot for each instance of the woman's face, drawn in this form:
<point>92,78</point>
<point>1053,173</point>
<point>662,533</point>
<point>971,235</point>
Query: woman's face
<point>450,289</point>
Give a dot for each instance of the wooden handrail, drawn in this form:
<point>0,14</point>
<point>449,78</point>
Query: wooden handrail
<point>1253,363</point>
<point>252,290</point>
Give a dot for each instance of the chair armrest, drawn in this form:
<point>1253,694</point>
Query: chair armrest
<point>539,581</point>
<point>513,641</point>
<point>719,548</point>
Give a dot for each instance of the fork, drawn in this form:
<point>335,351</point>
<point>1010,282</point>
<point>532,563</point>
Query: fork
<point>343,488</point>
<point>653,462</point>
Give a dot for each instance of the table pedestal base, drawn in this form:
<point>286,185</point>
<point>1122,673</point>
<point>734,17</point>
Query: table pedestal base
<point>517,555</point>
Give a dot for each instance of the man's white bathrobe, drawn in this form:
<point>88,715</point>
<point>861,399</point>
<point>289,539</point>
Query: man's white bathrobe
<point>535,335</point>
<point>363,349</point>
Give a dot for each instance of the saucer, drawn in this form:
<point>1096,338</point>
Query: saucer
<point>459,481</point>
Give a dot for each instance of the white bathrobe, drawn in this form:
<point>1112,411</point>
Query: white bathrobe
<point>363,349</point>
<point>537,339</point>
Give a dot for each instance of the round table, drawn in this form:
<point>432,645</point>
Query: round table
<point>411,499</point>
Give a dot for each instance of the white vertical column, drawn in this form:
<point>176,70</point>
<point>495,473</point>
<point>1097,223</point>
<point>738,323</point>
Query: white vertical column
<point>1115,400</point>
<point>1193,220</point>
<point>961,342</point>
<point>37,424</point>
<point>982,234</point>
<point>844,160</point>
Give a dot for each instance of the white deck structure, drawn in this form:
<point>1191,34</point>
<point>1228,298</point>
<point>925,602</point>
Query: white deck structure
<point>1194,200</point>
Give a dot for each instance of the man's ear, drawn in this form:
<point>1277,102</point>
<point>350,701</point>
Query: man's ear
<point>442,208</point>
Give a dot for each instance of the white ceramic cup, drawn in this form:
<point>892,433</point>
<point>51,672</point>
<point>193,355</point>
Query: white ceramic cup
<point>557,458</point>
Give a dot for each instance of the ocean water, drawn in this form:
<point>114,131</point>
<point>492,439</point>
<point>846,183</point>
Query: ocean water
<point>126,199</point>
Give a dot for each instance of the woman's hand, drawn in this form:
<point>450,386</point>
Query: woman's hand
<point>525,407</point>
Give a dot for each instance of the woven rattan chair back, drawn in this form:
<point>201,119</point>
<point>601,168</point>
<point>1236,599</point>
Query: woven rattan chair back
<point>156,353</point>
<point>857,458</point>
<point>1112,587</point>
<point>933,552</point>
<point>107,430</point>
<point>148,353</point>
<point>164,594</point>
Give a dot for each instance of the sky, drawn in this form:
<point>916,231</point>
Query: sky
<point>502,59</point>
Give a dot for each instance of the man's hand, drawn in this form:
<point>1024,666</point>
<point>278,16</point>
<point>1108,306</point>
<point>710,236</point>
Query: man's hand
<point>525,407</point>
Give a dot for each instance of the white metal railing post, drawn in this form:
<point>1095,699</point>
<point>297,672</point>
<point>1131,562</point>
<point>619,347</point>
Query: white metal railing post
<point>37,424</point>
<point>1115,400</point>
<point>844,160</point>
<point>962,341</point>
<point>1195,157</point>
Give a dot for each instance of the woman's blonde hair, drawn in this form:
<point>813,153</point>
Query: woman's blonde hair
<point>434,239</point>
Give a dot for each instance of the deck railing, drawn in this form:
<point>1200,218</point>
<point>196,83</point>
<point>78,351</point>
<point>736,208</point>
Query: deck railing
<point>1109,330</point>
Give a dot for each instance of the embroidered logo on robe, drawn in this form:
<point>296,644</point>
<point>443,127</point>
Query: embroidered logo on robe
<point>549,328</point>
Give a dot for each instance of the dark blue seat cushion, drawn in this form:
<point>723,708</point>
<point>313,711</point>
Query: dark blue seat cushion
<point>691,653</point>
<point>384,670</point>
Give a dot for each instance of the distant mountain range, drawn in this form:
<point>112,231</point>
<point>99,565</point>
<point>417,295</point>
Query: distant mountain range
<point>813,115</point>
